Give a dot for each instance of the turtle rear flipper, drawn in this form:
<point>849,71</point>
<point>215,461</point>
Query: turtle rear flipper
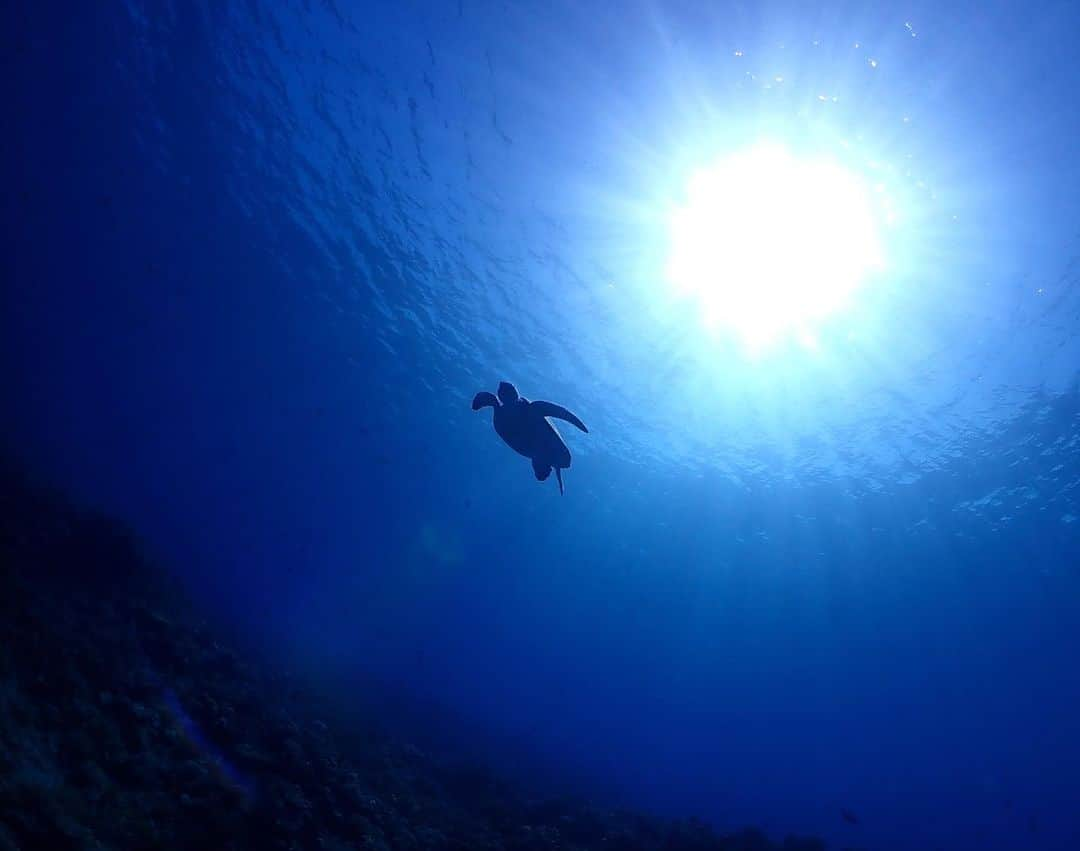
<point>542,470</point>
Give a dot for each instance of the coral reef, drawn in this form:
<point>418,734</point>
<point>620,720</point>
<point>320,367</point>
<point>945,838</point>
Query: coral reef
<point>125,724</point>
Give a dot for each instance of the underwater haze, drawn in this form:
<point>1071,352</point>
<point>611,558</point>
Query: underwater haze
<point>816,571</point>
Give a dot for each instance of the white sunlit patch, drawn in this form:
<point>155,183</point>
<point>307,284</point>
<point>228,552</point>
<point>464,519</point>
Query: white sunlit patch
<point>769,245</point>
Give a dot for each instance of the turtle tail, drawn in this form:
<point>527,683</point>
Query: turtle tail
<point>558,478</point>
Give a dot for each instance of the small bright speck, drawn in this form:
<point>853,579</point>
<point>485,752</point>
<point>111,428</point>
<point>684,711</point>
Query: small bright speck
<point>769,245</point>
<point>873,63</point>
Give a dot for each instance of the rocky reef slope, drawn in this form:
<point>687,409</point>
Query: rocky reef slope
<point>125,723</point>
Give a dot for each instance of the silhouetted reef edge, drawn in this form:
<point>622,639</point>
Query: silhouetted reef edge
<point>126,723</point>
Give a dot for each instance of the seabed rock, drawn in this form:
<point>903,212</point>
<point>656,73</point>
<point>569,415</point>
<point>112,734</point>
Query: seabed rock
<point>124,724</point>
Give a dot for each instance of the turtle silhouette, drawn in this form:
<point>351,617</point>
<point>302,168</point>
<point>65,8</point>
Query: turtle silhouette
<point>524,427</point>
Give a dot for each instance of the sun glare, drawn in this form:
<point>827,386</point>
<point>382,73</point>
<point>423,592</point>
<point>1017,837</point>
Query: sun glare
<point>770,245</point>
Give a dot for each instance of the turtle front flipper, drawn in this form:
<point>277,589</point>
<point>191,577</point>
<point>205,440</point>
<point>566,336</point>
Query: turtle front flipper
<point>483,399</point>
<point>550,409</point>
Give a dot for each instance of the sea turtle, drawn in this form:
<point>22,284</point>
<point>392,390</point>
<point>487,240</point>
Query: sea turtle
<point>524,427</point>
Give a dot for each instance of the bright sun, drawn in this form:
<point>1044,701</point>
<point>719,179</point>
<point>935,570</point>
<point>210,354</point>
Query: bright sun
<point>770,244</point>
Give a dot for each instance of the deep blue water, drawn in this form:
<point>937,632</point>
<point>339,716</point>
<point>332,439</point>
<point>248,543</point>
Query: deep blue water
<point>259,257</point>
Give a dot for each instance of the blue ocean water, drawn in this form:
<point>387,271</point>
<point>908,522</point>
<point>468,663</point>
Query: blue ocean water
<point>260,257</point>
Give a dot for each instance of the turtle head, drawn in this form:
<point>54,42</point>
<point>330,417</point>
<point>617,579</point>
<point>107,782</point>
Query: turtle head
<point>507,393</point>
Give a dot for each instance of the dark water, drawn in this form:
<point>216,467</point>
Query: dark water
<point>258,259</point>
